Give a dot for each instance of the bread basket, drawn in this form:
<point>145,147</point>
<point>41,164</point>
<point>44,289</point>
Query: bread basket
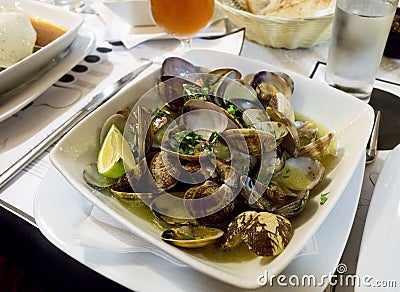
<point>277,32</point>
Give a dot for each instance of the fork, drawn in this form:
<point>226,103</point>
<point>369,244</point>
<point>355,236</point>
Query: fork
<point>373,143</point>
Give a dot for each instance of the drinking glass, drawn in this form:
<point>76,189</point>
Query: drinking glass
<point>182,18</point>
<point>72,5</point>
<point>359,35</point>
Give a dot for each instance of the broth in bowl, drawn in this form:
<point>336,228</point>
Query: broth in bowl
<point>21,33</point>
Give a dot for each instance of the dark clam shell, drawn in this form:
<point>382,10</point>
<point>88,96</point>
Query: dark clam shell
<point>175,66</point>
<point>211,204</point>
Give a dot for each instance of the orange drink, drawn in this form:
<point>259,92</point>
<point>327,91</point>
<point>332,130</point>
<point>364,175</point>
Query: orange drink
<point>182,18</point>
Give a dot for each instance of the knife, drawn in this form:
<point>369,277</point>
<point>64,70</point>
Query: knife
<point>57,133</point>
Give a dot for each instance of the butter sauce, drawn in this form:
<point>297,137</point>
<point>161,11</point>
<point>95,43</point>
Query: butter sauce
<point>238,254</point>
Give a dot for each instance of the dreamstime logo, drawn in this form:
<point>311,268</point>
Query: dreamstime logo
<point>205,111</point>
<point>340,278</point>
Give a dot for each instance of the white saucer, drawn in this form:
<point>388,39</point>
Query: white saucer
<point>59,209</point>
<point>378,262</point>
<point>14,100</point>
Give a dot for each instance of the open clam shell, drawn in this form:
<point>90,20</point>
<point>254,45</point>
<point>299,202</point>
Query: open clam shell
<point>93,178</point>
<point>192,236</point>
<point>118,120</point>
<point>196,104</point>
<point>251,141</point>
<point>280,82</point>
<point>170,209</point>
<point>300,173</point>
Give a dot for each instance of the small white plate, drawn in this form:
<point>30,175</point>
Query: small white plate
<point>379,258</point>
<point>59,209</point>
<point>349,118</point>
<point>15,100</point>
<point>23,70</point>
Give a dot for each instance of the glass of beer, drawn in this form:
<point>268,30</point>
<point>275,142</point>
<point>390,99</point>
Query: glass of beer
<point>182,18</point>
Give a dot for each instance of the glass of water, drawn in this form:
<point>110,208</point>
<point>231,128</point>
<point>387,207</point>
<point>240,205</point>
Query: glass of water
<point>359,35</point>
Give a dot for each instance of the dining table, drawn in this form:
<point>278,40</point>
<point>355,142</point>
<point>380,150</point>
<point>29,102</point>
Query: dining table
<point>40,212</point>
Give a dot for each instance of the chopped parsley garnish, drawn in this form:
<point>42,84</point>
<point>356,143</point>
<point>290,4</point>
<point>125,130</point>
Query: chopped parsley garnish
<point>160,113</point>
<point>236,113</point>
<point>324,198</point>
<point>189,237</point>
<point>232,109</point>
<point>193,91</point>
<point>213,138</point>
<point>187,142</point>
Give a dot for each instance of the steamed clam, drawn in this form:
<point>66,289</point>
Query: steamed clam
<point>170,209</point>
<point>265,233</point>
<point>192,236</point>
<point>219,156</point>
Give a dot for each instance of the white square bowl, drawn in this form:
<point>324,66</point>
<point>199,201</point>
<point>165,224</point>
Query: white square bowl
<point>24,70</point>
<point>349,118</point>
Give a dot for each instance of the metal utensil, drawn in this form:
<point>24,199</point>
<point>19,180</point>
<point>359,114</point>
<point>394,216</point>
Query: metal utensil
<point>373,143</point>
<point>57,133</point>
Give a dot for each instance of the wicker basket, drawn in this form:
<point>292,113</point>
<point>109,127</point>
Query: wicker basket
<point>278,32</point>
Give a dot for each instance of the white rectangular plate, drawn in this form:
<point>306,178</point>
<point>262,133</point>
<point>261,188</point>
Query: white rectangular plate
<point>22,71</point>
<point>60,210</point>
<point>381,237</point>
<point>349,118</point>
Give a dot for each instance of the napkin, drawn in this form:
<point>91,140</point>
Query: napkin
<point>101,231</point>
<point>131,36</point>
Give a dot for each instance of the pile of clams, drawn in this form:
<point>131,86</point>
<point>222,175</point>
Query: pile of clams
<point>219,157</point>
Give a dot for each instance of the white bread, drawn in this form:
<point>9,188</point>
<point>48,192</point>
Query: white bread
<point>264,7</point>
<point>287,8</point>
<point>243,4</point>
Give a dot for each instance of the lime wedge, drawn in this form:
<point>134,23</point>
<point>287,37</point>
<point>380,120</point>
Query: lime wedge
<point>113,152</point>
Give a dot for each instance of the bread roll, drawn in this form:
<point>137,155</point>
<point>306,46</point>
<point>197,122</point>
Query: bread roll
<point>287,8</point>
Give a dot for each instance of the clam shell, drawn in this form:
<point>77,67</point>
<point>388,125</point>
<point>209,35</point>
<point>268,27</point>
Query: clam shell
<point>93,178</point>
<point>250,141</point>
<point>192,236</point>
<point>234,234</point>
<point>175,66</point>
<point>318,148</point>
<point>196,104</point>
<point>279,103</point>
<point>118,120</point>
<point>211,204</point>
<point>170,209</point>
<point>161,173</point>
<point>300,173</point>
<point>268,234</point>
<point>281,81</point>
